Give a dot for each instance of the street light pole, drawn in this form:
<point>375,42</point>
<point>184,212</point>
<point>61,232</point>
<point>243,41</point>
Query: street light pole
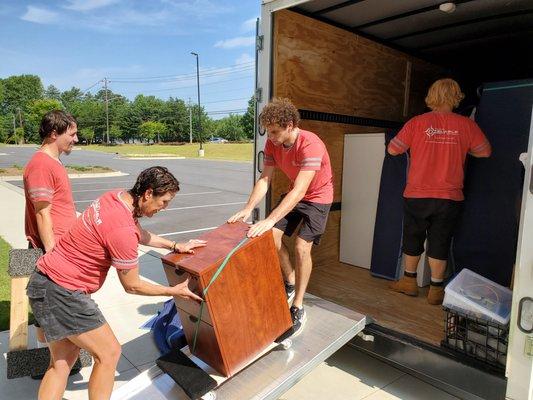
<point>201,151</point>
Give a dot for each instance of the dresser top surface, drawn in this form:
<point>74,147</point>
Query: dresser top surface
<point>219,243</point>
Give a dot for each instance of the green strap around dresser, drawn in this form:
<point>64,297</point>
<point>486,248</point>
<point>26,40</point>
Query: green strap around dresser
<point>214,277</point>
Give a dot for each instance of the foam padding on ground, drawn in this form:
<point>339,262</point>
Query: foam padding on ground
<point>194,381</point>
<point>22,261</point>
<point>35,362</point>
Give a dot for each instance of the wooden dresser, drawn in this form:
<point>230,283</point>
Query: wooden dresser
<point>245,308</point>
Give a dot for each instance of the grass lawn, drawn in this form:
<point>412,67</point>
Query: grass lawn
<point>5,287</point>
<point>16,169</point>
<point>213,151</point>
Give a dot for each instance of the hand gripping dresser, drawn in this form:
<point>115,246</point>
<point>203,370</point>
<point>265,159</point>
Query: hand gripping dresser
<point>245,308</point>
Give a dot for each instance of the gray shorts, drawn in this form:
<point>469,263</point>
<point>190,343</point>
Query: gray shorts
<point>61,312</point>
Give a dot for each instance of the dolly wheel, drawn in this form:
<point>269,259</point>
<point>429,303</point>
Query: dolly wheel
<point>209,396</point>
<point>286,344</point>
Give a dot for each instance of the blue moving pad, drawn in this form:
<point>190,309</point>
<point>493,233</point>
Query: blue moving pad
<point>167,329</point>
<point>387,244</point>
<point>486,237</point>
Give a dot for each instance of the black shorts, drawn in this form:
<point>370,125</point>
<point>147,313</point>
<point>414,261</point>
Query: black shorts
<point>312,217</point>
<point>435,219</point>
<point>59,311</point>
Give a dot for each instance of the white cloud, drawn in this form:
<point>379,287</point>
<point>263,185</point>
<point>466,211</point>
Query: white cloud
<point>244,58</point>
<point>86,5</point>
<point>241,41</point>
<point>249,25</point>
<point>39,15</point>
<point>199,8</point>
<point>131,18</point>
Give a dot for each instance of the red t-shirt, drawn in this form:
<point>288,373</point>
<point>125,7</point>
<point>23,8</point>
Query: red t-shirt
<point>46,179</point>
<point>439,142</point>
<point>308,153</point>
<point>105,235</point>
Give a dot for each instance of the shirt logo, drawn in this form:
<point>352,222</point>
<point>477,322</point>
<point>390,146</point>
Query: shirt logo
<point>96,208</point>
<point>439,131</point>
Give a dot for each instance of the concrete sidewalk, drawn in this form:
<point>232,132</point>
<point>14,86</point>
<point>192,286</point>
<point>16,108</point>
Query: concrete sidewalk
<point>348,374</point>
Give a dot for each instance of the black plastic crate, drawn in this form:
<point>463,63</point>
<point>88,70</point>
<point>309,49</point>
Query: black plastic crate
<point>483,340</point>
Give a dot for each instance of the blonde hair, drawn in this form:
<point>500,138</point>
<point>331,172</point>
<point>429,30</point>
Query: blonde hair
<point>444,92</point>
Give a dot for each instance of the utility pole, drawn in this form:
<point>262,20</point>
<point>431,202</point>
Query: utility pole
<point>14,123</point>
<point>190,121</point>
<point>106,111</point>
<point>201,151</point>
<point>20,124</point>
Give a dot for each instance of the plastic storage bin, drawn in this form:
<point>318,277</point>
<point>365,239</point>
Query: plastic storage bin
<point>478,297</point>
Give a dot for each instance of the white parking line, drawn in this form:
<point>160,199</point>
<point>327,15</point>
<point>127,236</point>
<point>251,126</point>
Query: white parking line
<point>93,183</point>
<point>207,205</point>
<point>92,190</point>
<point>179,194</point>
<point>192,230</point>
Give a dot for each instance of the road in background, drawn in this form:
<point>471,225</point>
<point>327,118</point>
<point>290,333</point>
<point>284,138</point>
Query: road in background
<point>211,191</point>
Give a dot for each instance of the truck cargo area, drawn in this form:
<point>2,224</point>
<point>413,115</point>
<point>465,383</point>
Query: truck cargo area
<point>357,67</point>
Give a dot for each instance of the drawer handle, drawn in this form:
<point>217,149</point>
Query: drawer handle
<point>179,272</point>
<point>193,319</point>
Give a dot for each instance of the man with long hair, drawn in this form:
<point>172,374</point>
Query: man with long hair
<point>438,142</point>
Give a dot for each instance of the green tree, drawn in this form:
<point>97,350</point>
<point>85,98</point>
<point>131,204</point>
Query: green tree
<point>151,130</point>
<point>71,96</point>
<point>17,137</point>
<point>248,118</point>
<point>206,124</point>
<point>6,127</point>
<point>114,133</point>
<point>230,128</point>
<point>127,121</point>
<point>51,92</point>
<point>86,135</point>
<point>90,113</point>
<point>19,92</point>
<point>35,113</point>
<point>176,116</point>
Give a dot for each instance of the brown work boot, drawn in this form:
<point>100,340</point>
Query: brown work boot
<point>406,285</point>
<point>435,295</point>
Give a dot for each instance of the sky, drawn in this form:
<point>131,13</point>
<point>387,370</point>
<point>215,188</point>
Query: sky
<point>141,47</point>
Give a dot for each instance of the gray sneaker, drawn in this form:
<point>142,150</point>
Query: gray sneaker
<point>298,319</point>
<point>290,291</point>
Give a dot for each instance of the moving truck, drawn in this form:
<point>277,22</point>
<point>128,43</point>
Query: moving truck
<point>357,70</point>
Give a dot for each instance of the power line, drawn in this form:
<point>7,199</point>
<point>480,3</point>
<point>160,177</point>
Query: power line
<point>225,101</point>
<point>192,86</point>
<point>234,111</point>
<point>207,70</point>
<point>181,79</point>
<point>90,87</point>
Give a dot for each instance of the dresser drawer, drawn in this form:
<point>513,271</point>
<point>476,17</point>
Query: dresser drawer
<point>175,276</point>
<point>207,346</point>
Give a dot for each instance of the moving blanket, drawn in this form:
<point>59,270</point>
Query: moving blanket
<point>387,244</point>
<point>167,329</point>
<point>486,237</point>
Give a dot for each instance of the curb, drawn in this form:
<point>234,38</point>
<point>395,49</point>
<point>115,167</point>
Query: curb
<point>71,176</point>
<point>149,158</point>
<point>13,188</point>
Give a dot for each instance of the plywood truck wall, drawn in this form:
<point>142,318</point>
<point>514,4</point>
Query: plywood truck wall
<point>327,69</point>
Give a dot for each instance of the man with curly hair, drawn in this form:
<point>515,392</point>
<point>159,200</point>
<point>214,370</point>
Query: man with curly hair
<point>433,198</point>
<point>304,159</point>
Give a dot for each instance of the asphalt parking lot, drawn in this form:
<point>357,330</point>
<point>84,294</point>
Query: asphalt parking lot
<point>210,191</point>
